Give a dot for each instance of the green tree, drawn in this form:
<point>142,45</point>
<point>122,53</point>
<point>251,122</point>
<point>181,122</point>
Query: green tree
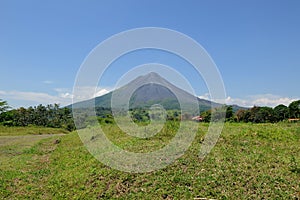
<point>229,113</point>
<point>206,115</point>
<point>242,115</point>
<point>261,114</point>
<point>294,109</point>
<point>48,116</point>
<point>21,117</point>
<point>3,106</point>
<point>41,115</point>
<point>265,114</point>
<point>281,112</point>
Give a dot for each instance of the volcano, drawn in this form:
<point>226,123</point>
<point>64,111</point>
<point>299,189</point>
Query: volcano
<point>147,90</point>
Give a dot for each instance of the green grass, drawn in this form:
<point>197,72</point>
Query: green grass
<point>250,161</point>
<point>29,130</point>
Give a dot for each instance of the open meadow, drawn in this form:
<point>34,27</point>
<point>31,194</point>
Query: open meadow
<point>250,161</point>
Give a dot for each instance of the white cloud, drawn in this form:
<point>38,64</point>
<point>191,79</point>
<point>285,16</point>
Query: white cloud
<point>271,100</point>
<point>205,96</point>
<point>37,97</point>
<point>258,100</point>
<point>63,97</point>
<point>66,95</point>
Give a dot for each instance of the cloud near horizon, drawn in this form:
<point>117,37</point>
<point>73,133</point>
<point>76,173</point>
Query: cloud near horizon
<point>255,100</point>
<point>63,97</point>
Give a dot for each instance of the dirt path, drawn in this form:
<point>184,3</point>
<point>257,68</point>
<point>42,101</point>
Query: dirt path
<point>24,140</point>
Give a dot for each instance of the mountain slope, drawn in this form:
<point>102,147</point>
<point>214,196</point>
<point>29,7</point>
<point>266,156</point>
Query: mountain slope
<point>153,90</point>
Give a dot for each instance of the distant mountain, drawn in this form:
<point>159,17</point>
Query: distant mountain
<point>153,90</point>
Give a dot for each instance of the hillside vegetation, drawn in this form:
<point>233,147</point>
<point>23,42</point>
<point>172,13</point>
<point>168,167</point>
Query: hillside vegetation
<point>250,161</point>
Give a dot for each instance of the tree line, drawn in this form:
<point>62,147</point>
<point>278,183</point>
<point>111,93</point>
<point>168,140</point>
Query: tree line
<point>56,117</point>
<point>47,116</point>
<point>258,114</point>
<point>279,113</point>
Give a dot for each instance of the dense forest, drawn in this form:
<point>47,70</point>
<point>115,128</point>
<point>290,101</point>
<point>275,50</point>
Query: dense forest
<point>47,116</point>
<point>258,114</point>
<point>54,116</point>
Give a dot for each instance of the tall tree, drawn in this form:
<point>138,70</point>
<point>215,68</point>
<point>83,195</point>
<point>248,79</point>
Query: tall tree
<point>242,115</point>
<point>229,113</point>
<point>281,112</point>
<point>265,114</point>
<point>294,109</point>
<point>261,114</point>
<point>206,115</point>
<point>3,106</point>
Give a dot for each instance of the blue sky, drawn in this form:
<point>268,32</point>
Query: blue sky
<point>255,45</point>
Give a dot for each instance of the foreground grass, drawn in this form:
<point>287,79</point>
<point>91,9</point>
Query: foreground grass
<point>258,161</point>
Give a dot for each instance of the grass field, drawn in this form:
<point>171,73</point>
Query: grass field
<point>29,130</point>
<point>250,161</point>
